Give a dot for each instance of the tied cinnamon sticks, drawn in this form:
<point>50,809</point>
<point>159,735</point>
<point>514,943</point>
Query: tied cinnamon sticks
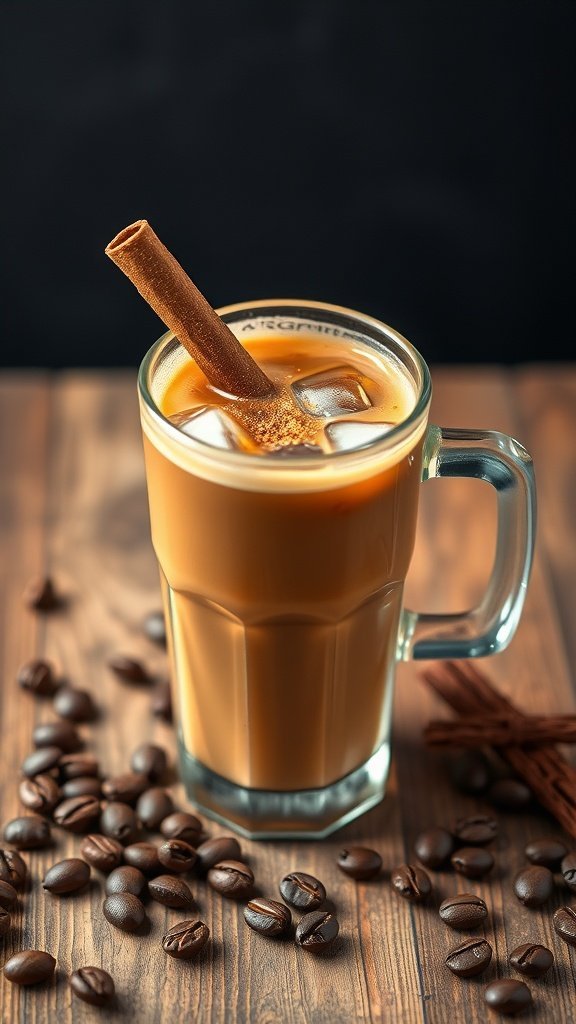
<point>550,777</point>
<point>501,731</point>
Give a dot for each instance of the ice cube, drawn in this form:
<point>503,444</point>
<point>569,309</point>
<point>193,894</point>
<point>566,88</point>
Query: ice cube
<point>297,450</point>
<point>347,434</point>
<point>334,392</point>
<point>212,426</point>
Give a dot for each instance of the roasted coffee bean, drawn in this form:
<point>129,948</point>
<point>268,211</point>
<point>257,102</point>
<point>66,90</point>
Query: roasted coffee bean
<point>125,879</point>
<point>569,870</point>
<point>268,917</point>
<point>302,891</point>
<point>411,882</point>
<point>124,911</point>
<point>84,785</point>
<point>316,931</point>
<point>359,862</point>
<point>12,868</point>
<point>129,670</point>
<point>470,772</point>
<point>41,595</point>
<point>232,879</point>
<point>510,794</point>
<point>155,628</point>
<point>101,852</point>
<point>37,677</point>
<point>66,876</point>
<point>433,847</point>
<point>41,761</point>
<point>143,856</point>
<point>119,822</point>
<point>186,940</point>
<point>153,806</point>
<point>532,959</point>
<point>5,922</point>
<point>92,985</point>
<point>150,760</point>
<point>29,967</point>
<point>57,734</point>
<point>181,825</point>
<point>508,996</point>
<point>564,921</point>
<point>74,705</point>
<point>8,895</point>
<point>176,855</point>
<point>74,766</point>
<point>125,788</point>
<point>534,885</point>
<point>464,911</point>
<point>212,851</point>
<point>171,892</point>
<point>471,957</point>
<point>472,861</point>
<point>547,852</point>
<point>161,702</point>
<point>39,794</point>
<point>28,833</point>
<point>77,813</point>
<point>477,830</point>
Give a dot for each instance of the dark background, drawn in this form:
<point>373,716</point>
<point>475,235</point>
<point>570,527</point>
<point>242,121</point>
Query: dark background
<point>409,159</point>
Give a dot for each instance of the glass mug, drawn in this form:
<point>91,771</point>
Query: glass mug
<point>282,584</point>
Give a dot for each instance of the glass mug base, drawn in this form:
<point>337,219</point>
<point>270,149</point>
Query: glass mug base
<point>300,814</point>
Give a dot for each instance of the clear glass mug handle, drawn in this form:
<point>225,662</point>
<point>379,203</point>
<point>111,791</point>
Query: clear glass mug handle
<point>487,629</point>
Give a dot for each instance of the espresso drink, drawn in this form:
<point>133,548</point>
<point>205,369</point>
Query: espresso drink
<point>283,554</point>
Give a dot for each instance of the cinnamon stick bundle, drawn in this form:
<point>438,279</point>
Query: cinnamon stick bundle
<point>501,731</point>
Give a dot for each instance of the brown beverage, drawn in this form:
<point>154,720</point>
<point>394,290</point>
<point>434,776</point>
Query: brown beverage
<point>283,572</point>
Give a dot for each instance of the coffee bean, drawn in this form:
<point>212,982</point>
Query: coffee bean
<point>125,911</point>
<point>171,892</point>
<point>125,879</point>
<point>186,940</point>
<point>28,832</point>
<point>302,891</point>
<point>29,967</point>
<point>470,772</point>
<point>471,957</point>
<point>129,670</point>
<point>176,855</point>
<point>510,795</point>
<point>41,761</point>
<point>472,861</point>
<point>411,882</point>
<point>74,766</point>
<point>359,862</point>
<point>37,677</point>
<point>564,921</point>
<point>84,785</point>
<point>155,628</point>
<point>508,996</point>
<point>92,985</point>
<point>214,850</point>
<point>74,705</point>
<point>119,822</point>
<point>101,852</point>
<point>232,879</point>
<point>5,922</point>
<point>39,794</point>
<point>8,895</point>
<point>150,760</point>
<point>12,868</point>
<point>532,959</point>
<point>161,702</point>
<point>77,813</point>
<point>66,876</point>
<point>547,852</point>
<point>477,830</point>
<point>153,806</point>
<point>57,734</point>
<point>568,868</point>
<point>181,825</point>
<point>41,595</point>
<point>268,917</point>
<point>316,931</point>
<point>433,847</point>
<point>463,911</point>
<point>534,885</point>
<point>125,788</point>
<point>143,856</point>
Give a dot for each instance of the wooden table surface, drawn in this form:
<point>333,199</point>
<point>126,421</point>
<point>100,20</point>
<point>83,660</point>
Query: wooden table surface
<point>73,502</point>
